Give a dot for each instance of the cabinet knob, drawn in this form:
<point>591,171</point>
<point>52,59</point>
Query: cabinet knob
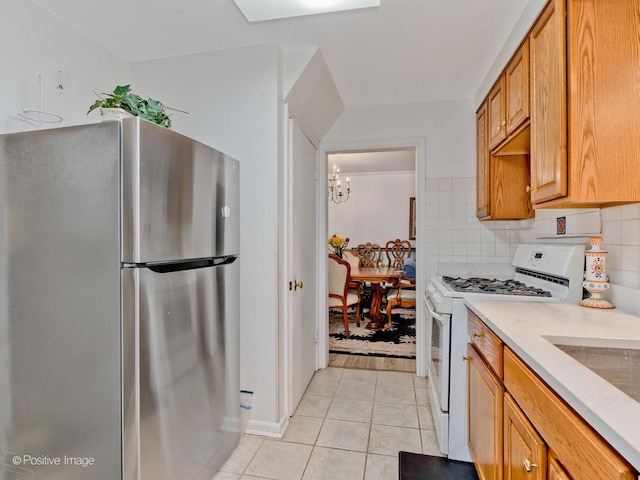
<point>527,189</point>
<point>477,335</point>
<point>504,123</point>
<point>499,128</point>
<point>528,465</point>
<point>464,358</point>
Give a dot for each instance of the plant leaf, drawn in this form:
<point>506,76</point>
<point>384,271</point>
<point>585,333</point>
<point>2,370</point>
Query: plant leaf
<point>122,90</point>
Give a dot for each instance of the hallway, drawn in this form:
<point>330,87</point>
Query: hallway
<point>350,425</point>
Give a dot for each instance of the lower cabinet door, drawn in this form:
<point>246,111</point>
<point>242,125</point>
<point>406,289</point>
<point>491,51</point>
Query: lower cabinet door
<point>525,453</point>
<point>485,417</point>
<point>556,472</point>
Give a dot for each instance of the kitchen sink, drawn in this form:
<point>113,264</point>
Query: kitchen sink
<point>615,360</point>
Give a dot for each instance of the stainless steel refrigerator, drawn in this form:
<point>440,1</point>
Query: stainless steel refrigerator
<point>119,335</point>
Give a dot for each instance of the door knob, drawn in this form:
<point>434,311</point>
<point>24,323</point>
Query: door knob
<point>297,284</point>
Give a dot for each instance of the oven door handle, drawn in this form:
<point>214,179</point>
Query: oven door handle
<point>438,317</point>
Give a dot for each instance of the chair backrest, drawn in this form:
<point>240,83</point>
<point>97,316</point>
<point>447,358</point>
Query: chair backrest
<point>397,250</point>
<point>352,257</point>
<point>370,254</point>
<point>339,276</point>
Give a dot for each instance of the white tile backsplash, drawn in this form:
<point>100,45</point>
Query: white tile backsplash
<point>455,234</point>
<point>621,238</point>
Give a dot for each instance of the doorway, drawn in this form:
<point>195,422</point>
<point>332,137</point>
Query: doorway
<point>381,215</point>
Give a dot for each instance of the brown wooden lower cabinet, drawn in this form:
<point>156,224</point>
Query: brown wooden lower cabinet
<point>485,417</point>
<point>556,472</point>
<point>519,428</point>
<point>525,453</point>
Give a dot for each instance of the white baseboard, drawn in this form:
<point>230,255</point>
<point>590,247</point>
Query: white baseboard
<point>268,429</point>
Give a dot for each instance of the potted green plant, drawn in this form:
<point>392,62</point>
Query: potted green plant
<point>130,103</point>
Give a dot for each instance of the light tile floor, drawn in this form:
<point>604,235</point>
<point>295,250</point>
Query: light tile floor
<point>350,425</point>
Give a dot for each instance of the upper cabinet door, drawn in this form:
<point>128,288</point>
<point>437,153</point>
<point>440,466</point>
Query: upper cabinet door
<point>549,105</point>
<point>604,109</point>
<point>497,121</point>
<point>517,86</point>
<point>483,156</point>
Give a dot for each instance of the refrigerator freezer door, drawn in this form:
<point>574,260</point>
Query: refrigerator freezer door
<point>180,197</point>
<point>184,417</point>
<point>60,304</point>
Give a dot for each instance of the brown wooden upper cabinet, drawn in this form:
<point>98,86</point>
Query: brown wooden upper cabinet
<point>585,103</point>
<point>516,78</point>
<point>497,111</point>
<point>483,190</point>
<point>568,104</point>
<point>508,103</point>
<point>502,142</point>
<point>500,180</point>
<point>548,105</point>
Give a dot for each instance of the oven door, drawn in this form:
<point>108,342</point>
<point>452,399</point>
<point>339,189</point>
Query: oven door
<point>440,329</point>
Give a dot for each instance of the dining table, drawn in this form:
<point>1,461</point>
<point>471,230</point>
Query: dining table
<point>376,276</point>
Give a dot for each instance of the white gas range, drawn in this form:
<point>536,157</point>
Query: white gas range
<point>542,273</point>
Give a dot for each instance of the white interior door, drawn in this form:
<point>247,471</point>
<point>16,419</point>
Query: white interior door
<point>303,346</point>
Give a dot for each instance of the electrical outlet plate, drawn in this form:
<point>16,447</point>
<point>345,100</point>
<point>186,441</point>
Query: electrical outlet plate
<point>59,83</point>
<point>561,225</point>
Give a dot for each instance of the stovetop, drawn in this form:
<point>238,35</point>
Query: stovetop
<point>494,286</point>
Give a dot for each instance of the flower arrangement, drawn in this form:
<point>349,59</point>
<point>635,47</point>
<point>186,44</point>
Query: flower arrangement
<point>337,245</point>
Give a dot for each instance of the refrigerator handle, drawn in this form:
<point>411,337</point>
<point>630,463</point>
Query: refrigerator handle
<point>190,264</point>
<point>219,261</point>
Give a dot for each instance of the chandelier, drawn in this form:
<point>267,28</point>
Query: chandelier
<point>335,189</point>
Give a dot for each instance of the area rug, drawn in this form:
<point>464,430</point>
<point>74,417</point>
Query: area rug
<point>397,342</point>
<point>414,466</point>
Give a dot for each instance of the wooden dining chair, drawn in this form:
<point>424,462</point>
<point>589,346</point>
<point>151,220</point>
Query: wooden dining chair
<point>397,251</point>
<point>341,297</point>
<point>370,254</point>
<point>404,293</point>
<point>352,257</point>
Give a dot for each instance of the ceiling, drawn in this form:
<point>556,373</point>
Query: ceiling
<point>404,51</point>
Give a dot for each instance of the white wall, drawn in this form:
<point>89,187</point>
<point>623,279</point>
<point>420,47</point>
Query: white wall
<point>33,42</point>
<point>377,209</point>
<point>519,31</point>
<point>314,99</point>
<point>232,99</point>
<point>448,127</point>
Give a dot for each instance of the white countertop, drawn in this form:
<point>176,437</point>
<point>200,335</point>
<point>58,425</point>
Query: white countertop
<point>523,326</point>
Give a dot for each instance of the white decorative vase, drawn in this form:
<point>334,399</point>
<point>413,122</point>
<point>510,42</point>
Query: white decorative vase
<point>114,114</point>
<point>595,280</point>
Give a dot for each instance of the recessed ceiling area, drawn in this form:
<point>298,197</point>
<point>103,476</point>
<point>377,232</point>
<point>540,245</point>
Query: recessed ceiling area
<point>260,10</point>
<point>404,51</point>
<point>369,162</point>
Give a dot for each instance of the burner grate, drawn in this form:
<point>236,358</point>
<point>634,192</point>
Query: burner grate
<point>494,286</point>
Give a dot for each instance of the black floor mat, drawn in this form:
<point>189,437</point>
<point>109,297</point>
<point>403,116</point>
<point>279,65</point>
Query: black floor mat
<point>414,466</point>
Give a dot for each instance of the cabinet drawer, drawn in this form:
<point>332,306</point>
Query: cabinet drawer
<point>487,343</point>
<point>583,452</point>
